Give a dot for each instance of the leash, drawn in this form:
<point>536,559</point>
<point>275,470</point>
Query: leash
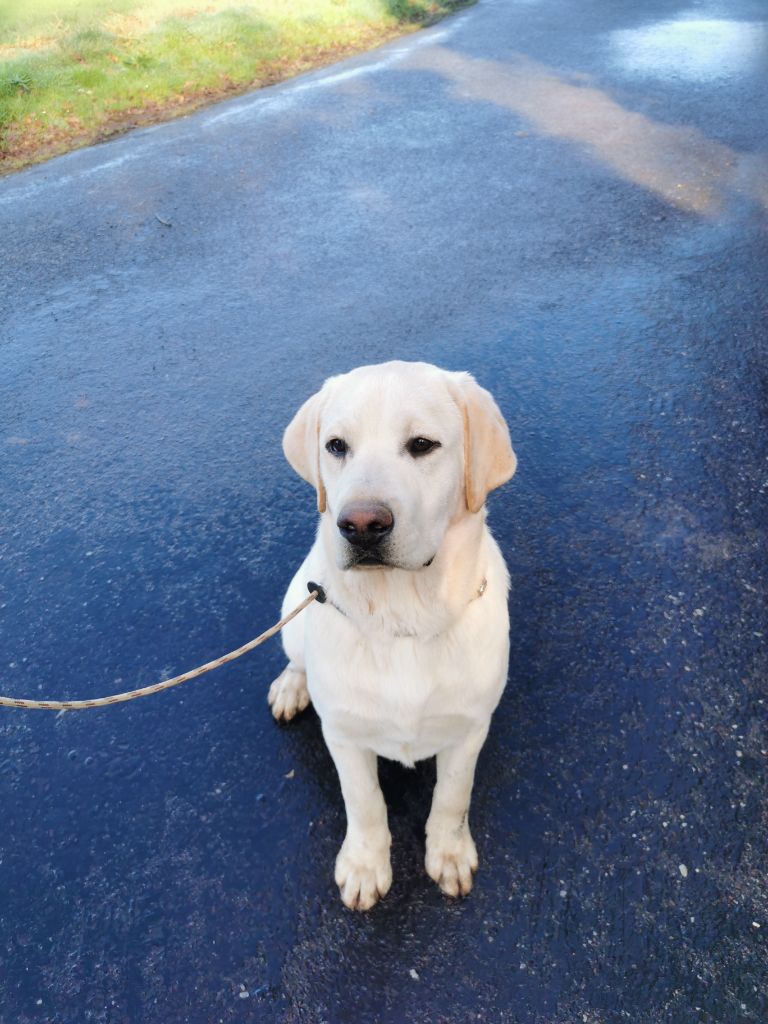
<point>316,593</point>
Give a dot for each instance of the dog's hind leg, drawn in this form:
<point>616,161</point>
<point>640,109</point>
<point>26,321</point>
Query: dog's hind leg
<point>288,695</point>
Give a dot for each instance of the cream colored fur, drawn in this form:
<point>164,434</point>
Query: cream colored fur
<point>406,661</point>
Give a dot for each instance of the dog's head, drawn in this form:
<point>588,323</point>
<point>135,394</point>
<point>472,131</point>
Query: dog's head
<point>396,453</point>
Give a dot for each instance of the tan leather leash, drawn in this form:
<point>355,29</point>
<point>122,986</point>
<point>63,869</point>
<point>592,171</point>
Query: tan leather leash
<point>316,593</point>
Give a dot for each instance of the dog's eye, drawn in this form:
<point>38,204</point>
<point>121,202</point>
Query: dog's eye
<point>337,447</point>
<point>421,445</point>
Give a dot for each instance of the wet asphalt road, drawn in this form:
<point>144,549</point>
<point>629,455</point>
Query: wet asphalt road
<point>569,201</point>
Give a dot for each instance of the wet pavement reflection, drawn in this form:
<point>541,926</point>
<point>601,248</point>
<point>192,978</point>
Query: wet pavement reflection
<point>694,48</point>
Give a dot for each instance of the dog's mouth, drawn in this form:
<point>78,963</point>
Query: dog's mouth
<point>369,561</point>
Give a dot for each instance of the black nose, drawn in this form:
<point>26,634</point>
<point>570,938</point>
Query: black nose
<point>365,523</point>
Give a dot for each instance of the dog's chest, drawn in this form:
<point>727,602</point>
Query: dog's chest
<point>404,700</point>
<point>404,723</point>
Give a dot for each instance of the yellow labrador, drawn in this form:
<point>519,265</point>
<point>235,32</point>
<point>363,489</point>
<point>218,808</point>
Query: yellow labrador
<point>408,656</point>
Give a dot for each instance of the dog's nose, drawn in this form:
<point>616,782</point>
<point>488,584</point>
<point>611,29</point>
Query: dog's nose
<point>365,523</point>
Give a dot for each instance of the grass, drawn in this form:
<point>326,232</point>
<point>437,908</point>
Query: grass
<point>74,72</point>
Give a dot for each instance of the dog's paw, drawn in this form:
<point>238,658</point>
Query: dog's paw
<point>288,695</point>
<point>363,873</point>
<point>452,860</point>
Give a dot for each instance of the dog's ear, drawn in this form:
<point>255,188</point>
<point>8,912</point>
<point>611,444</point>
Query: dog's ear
<point>488,457</point>
<point>301,444</point>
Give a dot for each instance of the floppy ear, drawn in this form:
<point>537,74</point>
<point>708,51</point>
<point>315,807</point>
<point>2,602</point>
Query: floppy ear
<point>301,444</point>
<point>488,457</point>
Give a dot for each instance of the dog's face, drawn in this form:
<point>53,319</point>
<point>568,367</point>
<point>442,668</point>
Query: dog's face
<point>397,452</point>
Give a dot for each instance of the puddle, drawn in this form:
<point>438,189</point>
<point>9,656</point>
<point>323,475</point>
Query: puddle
<point>693,48</point>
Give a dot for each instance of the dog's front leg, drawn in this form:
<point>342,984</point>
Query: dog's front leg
<point>363,871</point>
<point>451,855</point>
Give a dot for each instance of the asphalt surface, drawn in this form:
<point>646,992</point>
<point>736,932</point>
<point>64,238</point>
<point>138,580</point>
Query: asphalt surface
<point>570,201</point>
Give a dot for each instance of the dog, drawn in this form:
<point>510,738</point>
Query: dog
<point>407,657</point>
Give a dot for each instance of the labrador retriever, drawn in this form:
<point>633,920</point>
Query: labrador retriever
<point>407,658</point>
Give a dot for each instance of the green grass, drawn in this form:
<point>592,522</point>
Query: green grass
<point>76,71</point>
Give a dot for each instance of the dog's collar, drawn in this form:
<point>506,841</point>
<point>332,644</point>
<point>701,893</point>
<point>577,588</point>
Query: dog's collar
<point>322,598</point>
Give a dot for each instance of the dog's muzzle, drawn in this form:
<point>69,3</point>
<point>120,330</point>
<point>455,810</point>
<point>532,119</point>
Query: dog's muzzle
<point>365,525</point>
